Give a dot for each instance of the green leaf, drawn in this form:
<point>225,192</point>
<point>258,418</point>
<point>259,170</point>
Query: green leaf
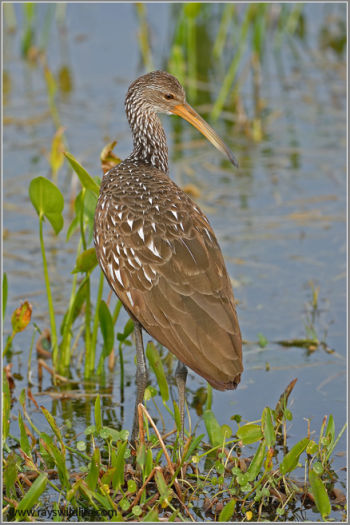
<point>6,407</point>
<point>215,433</point>
<point>162,486</point>
<point>256,463</point>
<point>53,424</point>
<point>86,180</point>
<point>24,441</point>
<point>291,459</point>
<point>57,146</point>
<point>312,447</point>
<point>10,475</point>
<point>4,294</point>
<point>320,494</point>
<point>132,486</point>
<point>268,428</point>
<point>58,458</point>
<point>228,510</point>
<point>86,261</point>
<point>118,462</point>
<point>262,340</point>
<point>148,463</point>
<point>81,446</point>
<point>152,515</point>
<point>192,9</point>
<point>330,431</point>
<point>94,470</point>
<point>79,300</point>
<point>193,446</point>
<point>249,433</point>
<point>157,367</point>
<point>98,414</point>
<point>107,328</point>
<point>177,416</point>
<point>128,329</point>
<point>33,494</point>
<point>114,435</point>
<point>48,201</point>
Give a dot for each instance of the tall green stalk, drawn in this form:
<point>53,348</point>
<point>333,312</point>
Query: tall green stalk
<point>96,320</point>
<point>49,296</point>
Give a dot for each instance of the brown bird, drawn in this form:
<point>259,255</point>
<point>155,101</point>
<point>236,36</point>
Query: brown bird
<point>159,252</point>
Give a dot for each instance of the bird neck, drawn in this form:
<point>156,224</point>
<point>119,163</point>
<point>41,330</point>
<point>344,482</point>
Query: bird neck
<point>149,138</point>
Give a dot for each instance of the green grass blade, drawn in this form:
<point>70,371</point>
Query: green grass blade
<point>33,494</point>
<point>98,414</point>
<point>157,367</point>
<point>24,441</point>
<point>4,294</point>
<point>268,428</point>
<point>94,470</point>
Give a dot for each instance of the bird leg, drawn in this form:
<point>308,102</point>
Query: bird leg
<point>180,376</point>
<point>141,376</point>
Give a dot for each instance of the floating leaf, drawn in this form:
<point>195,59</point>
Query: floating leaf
<point>320,494</point>
<point>48,201</point>
<point>157,367</point>
<point>86,180</point>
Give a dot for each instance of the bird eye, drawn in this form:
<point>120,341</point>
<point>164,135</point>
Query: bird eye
<point>169,96</point>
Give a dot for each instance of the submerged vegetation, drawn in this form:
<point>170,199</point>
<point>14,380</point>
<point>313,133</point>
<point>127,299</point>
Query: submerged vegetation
<point>241,470</point>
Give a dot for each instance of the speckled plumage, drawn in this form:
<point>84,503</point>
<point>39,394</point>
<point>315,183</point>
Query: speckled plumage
<point>159,252</point>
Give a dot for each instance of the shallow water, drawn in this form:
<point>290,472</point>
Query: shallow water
<point>280,219</point>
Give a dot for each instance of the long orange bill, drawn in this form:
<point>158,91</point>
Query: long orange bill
<point>185,111</point>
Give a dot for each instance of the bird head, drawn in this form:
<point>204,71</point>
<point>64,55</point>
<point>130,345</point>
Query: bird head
<point>160,92</point>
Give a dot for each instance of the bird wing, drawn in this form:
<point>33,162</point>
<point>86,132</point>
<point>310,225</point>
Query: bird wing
<point>161,257</point>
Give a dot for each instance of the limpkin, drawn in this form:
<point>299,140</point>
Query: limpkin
<point>159,252</point>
